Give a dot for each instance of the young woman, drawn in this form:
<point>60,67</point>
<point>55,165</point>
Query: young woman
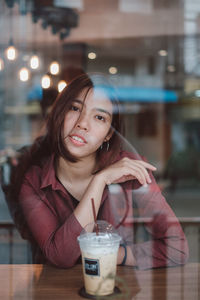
<point>78,158</point>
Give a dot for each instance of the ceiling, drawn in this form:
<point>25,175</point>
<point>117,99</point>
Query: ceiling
<point>97,20</point>
<point>115,28</point>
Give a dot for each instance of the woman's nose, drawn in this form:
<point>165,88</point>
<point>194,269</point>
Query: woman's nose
<point>82,123</point>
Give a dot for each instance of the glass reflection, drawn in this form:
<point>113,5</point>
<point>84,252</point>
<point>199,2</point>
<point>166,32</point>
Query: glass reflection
<point>154,62</point>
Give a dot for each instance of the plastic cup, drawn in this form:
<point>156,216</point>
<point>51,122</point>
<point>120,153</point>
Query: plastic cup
<point>99,258</point>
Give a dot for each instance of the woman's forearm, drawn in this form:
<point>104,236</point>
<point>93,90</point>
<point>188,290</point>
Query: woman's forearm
<point>83,212</point>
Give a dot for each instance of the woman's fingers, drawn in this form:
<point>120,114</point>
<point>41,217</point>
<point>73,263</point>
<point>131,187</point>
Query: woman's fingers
<point>124,179</point>
<point>146,165</point>
<point>138,172</point>
<point>128,172</point>
<point>143,170</point>
<point>138,169</point>
<point>129,169</point>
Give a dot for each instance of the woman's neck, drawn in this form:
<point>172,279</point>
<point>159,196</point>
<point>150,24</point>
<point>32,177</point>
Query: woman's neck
<point>81,170</point>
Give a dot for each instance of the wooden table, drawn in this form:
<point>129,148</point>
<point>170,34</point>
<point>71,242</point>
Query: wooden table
<point>45,282</point>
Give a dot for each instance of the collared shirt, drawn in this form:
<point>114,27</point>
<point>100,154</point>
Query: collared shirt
<point>48,209</point>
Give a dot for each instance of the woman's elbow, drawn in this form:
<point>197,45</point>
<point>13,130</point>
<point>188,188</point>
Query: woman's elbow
<point>184,252</point>
<point>61,263</point>
<point>62,260</point>
<point>180,253</point>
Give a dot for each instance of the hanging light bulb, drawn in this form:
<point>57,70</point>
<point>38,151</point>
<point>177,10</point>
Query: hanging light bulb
<point>61,85</point>
<point>54,68</point>
<point>1,64</point>
<point>34,62</point>
<point>113,70</point>
<point>162,52</point>
<point>24,74</point>
<point>92,55</point>
<point>11,52</point>
<point>46,81</point>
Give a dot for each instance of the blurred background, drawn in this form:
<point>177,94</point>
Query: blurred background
<point>150,50</point>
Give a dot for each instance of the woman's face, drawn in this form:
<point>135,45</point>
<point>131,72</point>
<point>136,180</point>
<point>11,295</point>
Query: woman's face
<point>87,123</point>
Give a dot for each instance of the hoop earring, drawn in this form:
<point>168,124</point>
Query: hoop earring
<point>108,145</point>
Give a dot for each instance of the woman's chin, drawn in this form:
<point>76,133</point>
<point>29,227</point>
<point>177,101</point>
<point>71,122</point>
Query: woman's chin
<point>79,154</point>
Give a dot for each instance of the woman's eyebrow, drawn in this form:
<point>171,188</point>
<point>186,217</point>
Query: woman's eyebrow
<point>78,101</point>
<point>104,111</point>
<point>96,108</point>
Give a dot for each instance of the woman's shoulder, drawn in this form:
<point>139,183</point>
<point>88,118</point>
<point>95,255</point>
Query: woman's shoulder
<point>33,170</point>
<point>36,172</point>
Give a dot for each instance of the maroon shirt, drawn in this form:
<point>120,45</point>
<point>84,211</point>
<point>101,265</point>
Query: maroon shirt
<point>48,209</point>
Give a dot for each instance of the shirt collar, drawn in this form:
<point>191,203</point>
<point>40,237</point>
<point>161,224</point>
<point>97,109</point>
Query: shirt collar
<point>49,174</point>
<point>49,177</point>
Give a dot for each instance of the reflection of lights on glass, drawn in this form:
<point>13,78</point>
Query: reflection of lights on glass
<point>24,74</point>
<point>34,62</point>
<point>11,53</point>
<point>1,64</point>
<point>113,70</point>
<point>61,85</point>
<point>162,52</point>
<point>46,81</point>
<point>92,55</point>
<point>197,93</point>
<point>54,68</point>
<point>171,68</point>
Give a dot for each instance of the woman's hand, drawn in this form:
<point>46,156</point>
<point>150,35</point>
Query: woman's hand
<point>127,169</point>
<point>121,171</point>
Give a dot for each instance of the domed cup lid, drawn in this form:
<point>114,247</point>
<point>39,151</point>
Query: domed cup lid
<point>107,234</point>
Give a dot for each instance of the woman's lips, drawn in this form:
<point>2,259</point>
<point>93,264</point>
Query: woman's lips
<point>77,140</point>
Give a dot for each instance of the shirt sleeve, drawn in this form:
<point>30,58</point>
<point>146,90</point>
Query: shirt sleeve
<point>57,241</point>
<point>168,245</point>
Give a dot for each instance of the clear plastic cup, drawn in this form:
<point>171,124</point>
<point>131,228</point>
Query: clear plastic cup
<point>99,257</point>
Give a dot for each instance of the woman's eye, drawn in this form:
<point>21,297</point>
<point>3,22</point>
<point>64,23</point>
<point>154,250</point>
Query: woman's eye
<point>74,108</point>
<point>100,118</point>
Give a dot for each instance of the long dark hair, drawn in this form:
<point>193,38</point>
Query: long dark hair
<point>52,141</point>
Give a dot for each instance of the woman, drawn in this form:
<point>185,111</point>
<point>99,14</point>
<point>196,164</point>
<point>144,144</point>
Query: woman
<point>79,158</point>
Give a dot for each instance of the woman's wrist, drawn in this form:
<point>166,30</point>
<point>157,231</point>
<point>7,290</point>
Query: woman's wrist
<point>100,178</point>
<point>123,262</point>
<point>121,255</point>
<point>125,256</point>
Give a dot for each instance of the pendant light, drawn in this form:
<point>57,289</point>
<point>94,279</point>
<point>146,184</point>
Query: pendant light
<point>24,74</point>
<point>11,51</point>
<point>54,68</point>
<point>46,81</point>
<point>34,60</point>
<point>61,85</point>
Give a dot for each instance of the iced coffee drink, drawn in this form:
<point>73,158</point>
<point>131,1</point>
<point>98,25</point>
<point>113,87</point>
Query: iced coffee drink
<point>99,259</point>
